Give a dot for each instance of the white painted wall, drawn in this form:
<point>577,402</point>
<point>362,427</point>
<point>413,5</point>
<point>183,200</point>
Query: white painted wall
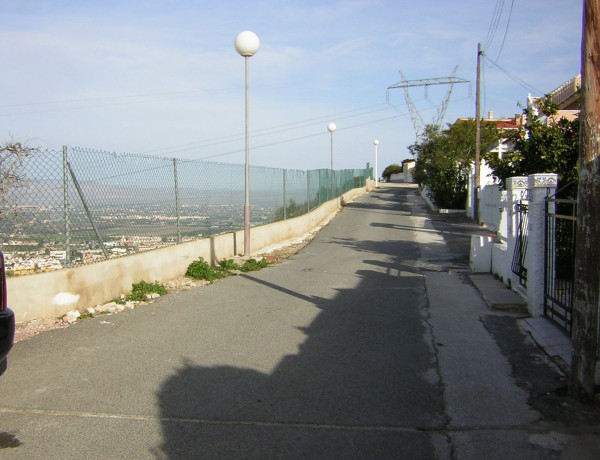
<point>535,188</point>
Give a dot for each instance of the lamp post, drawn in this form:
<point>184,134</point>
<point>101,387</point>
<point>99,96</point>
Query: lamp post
<point>246,44</point>
<point>376,143</point>
<point>331,128</point>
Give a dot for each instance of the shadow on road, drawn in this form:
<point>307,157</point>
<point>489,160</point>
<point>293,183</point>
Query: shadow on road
<point>351,389</point>
<point>364,382</point>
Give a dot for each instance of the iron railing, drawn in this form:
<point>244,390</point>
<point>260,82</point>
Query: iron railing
<point>518,266</point>
<point>561,231</point>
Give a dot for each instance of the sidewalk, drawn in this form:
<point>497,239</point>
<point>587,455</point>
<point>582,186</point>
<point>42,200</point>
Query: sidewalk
<point>537,352</point>
<point>499,297</point>
<point>548,337</point>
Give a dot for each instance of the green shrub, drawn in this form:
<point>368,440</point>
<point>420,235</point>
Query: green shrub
<point>229,264</point>
<point>140,290</point>
<point>201,270</point>
<point>252,265</point>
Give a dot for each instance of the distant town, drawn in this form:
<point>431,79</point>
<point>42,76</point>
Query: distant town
<point>33,238</point>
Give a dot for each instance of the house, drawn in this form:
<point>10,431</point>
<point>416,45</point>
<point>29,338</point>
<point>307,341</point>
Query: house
<point>532,248</point>
<point>565,96</point>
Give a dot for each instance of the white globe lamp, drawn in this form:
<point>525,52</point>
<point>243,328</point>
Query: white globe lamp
<point>246,43</point>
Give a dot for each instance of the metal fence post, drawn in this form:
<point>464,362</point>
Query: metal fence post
<point>284,198</point>
<point>87,211</point>
<point>177,200</point>
<point>307,191</point>
<point>66,207</point>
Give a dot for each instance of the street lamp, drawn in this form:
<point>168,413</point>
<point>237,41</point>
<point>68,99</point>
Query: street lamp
<point>331,128</point>
<point>376,143</point>
<point>246,44</point>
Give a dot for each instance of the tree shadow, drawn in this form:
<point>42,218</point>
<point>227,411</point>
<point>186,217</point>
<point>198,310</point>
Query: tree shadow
<point>385,200</point>
<point>351,391</point>
<point>364,383</point>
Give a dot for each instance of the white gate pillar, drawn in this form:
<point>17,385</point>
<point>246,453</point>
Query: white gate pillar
<point>539,186</point>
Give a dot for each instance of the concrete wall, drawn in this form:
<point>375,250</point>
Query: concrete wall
<point>486,180</point>
<point>406,176</point>
<point>51,294</point>
<point>490,211</point>
<point>409,169</point>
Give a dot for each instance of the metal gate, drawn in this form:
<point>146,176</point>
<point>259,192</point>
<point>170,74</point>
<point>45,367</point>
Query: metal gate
<point>518,263</point>
<point>561,229</point>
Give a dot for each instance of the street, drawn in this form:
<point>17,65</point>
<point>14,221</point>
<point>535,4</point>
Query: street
<point>368,343</point>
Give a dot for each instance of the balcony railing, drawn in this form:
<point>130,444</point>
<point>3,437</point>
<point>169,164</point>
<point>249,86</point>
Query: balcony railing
<point>567,90</point>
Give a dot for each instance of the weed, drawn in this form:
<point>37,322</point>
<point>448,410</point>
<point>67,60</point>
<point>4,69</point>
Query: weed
<point>201,270</point>
<point>229,264</point>
<point>141,289</point>
<point>252,265</point>
<point>86,315</point>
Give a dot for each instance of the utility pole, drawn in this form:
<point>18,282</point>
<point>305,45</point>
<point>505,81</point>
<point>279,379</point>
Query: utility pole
<point>586,295</point>
<point>477,139</point>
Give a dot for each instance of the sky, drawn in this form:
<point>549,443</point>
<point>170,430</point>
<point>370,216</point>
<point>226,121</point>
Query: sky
<point>163,77</point>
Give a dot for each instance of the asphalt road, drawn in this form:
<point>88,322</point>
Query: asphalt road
<point>368,343</point>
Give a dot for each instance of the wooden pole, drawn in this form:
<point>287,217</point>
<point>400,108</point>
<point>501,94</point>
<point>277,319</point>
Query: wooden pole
<point>477,139</point>
<point>586,296</point>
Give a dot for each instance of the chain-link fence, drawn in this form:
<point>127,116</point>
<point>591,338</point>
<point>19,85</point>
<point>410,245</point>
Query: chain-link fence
<point>79,206</point>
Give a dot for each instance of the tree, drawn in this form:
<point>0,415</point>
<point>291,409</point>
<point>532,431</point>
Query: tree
<point>292,210</point>
<point>391,169</point>
<point>12,161</point>
<point>542,145</point>
<point>444,159</point>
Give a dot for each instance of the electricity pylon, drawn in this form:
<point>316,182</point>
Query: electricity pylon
<point>415,116</point>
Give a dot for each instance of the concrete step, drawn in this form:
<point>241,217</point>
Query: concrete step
<point>497,295</point>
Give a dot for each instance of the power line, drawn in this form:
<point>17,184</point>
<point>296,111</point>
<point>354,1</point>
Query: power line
<point>484,88</point>
<point>506,30</point>
<point>284,141</point>
<point>101,98</point>
<point>320,133</point>
<point>268,131</point>
<point>522,83</point>
<point>493,27</point>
